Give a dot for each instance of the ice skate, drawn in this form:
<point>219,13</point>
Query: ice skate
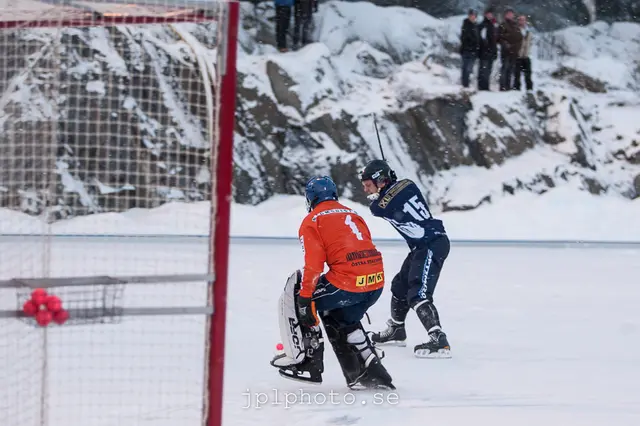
<point>393,335</point>
<point>308,371</point>
<point>374,376</point>
<point>436,347</point>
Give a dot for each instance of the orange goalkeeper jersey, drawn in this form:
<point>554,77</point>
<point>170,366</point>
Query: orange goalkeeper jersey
<point>338,236</point>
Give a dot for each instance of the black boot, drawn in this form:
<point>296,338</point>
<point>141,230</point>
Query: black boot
<point>395,333</point>
<point>437,346</point>
<point>373,374</point>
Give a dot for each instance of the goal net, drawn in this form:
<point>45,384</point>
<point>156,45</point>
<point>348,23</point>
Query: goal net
<point>116,128</point>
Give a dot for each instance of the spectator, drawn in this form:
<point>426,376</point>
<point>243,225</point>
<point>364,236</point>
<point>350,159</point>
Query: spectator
<point>488,49</point>
<point>283,20</point>
<point>510,40</point>
<point>523,64</point>
<point>469,45</point>
<point>302,16</point>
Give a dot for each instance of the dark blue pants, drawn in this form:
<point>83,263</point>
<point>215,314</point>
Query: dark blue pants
<point>507,72</point>
<point>523,66</point>
<point>468,60</point>
<point>420,272</point>
<point>345,307</point>
<point>484,73</point>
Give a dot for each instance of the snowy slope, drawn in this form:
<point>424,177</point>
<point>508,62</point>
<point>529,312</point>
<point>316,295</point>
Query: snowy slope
<point>311,111</point>
<point>562,214</point>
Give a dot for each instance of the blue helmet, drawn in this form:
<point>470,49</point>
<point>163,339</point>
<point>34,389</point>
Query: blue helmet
<point>319,189</point>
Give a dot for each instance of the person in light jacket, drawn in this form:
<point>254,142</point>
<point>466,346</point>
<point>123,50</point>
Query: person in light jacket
<point>523,63</point>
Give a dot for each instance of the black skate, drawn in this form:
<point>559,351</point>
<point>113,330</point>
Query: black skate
<point>311,368</point>
<point>307,371</point>
<point>374,376</point>
<point>436,347</point>
<point>393,335</point>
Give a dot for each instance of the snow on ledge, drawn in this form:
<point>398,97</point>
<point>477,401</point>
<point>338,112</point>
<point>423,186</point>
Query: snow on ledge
<point>561,214</point>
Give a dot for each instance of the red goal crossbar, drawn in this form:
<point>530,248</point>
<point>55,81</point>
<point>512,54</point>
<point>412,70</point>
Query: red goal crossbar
<point>56,13</point>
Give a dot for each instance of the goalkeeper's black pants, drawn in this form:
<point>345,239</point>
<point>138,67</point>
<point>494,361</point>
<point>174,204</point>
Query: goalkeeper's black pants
<point>346,307</point>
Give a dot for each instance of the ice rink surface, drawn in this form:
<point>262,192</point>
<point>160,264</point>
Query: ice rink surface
<point>538,336</point>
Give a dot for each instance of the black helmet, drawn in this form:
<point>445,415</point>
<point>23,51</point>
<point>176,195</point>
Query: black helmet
<point>379,172</point>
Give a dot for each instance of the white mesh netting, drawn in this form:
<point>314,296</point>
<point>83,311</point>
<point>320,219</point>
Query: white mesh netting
<point>107,130</point>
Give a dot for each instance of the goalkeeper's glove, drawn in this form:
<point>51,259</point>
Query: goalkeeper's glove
<point>307,312</point>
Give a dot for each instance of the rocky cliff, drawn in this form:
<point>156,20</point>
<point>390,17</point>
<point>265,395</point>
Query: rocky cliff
<point>547,15</point>
<point>111,113</point>
<point>312,111</point>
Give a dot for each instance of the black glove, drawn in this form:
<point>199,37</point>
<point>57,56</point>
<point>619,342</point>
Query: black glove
<point>307,312</point>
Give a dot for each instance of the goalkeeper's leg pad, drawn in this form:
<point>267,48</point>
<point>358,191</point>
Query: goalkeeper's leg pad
<point>302,357</point>
<point>360,361</point>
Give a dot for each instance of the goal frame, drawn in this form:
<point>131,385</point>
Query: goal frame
<point>223,168</point>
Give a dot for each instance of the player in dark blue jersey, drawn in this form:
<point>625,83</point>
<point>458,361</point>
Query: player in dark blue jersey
<point>401,203</point>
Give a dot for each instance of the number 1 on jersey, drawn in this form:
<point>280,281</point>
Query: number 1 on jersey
<point>354,228</point>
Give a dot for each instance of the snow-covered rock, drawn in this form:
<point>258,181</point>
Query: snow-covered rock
<point>312,111</point>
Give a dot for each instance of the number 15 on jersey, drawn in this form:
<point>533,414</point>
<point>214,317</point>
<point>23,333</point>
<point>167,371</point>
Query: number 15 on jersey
<point>416,209</point>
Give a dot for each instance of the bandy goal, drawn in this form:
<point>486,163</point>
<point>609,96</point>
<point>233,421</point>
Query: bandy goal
<point>116,134</point>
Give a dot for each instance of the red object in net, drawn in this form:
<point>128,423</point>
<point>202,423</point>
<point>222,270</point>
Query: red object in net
<point>39,297</point>
<point>44,317</point>
<point>29,308</point>
<point>60,317</point>
<point>54,304</point>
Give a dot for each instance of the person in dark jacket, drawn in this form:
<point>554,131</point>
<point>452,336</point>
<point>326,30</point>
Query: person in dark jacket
<point>302,17</point>
<point>469,45</point>
<point>488,49</point>
<point>510,40</point>
<point>283,20</point>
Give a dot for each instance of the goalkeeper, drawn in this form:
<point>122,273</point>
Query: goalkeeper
<point>336,235</point>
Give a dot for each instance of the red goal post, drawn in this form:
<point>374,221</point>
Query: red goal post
<point>23,15</point>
